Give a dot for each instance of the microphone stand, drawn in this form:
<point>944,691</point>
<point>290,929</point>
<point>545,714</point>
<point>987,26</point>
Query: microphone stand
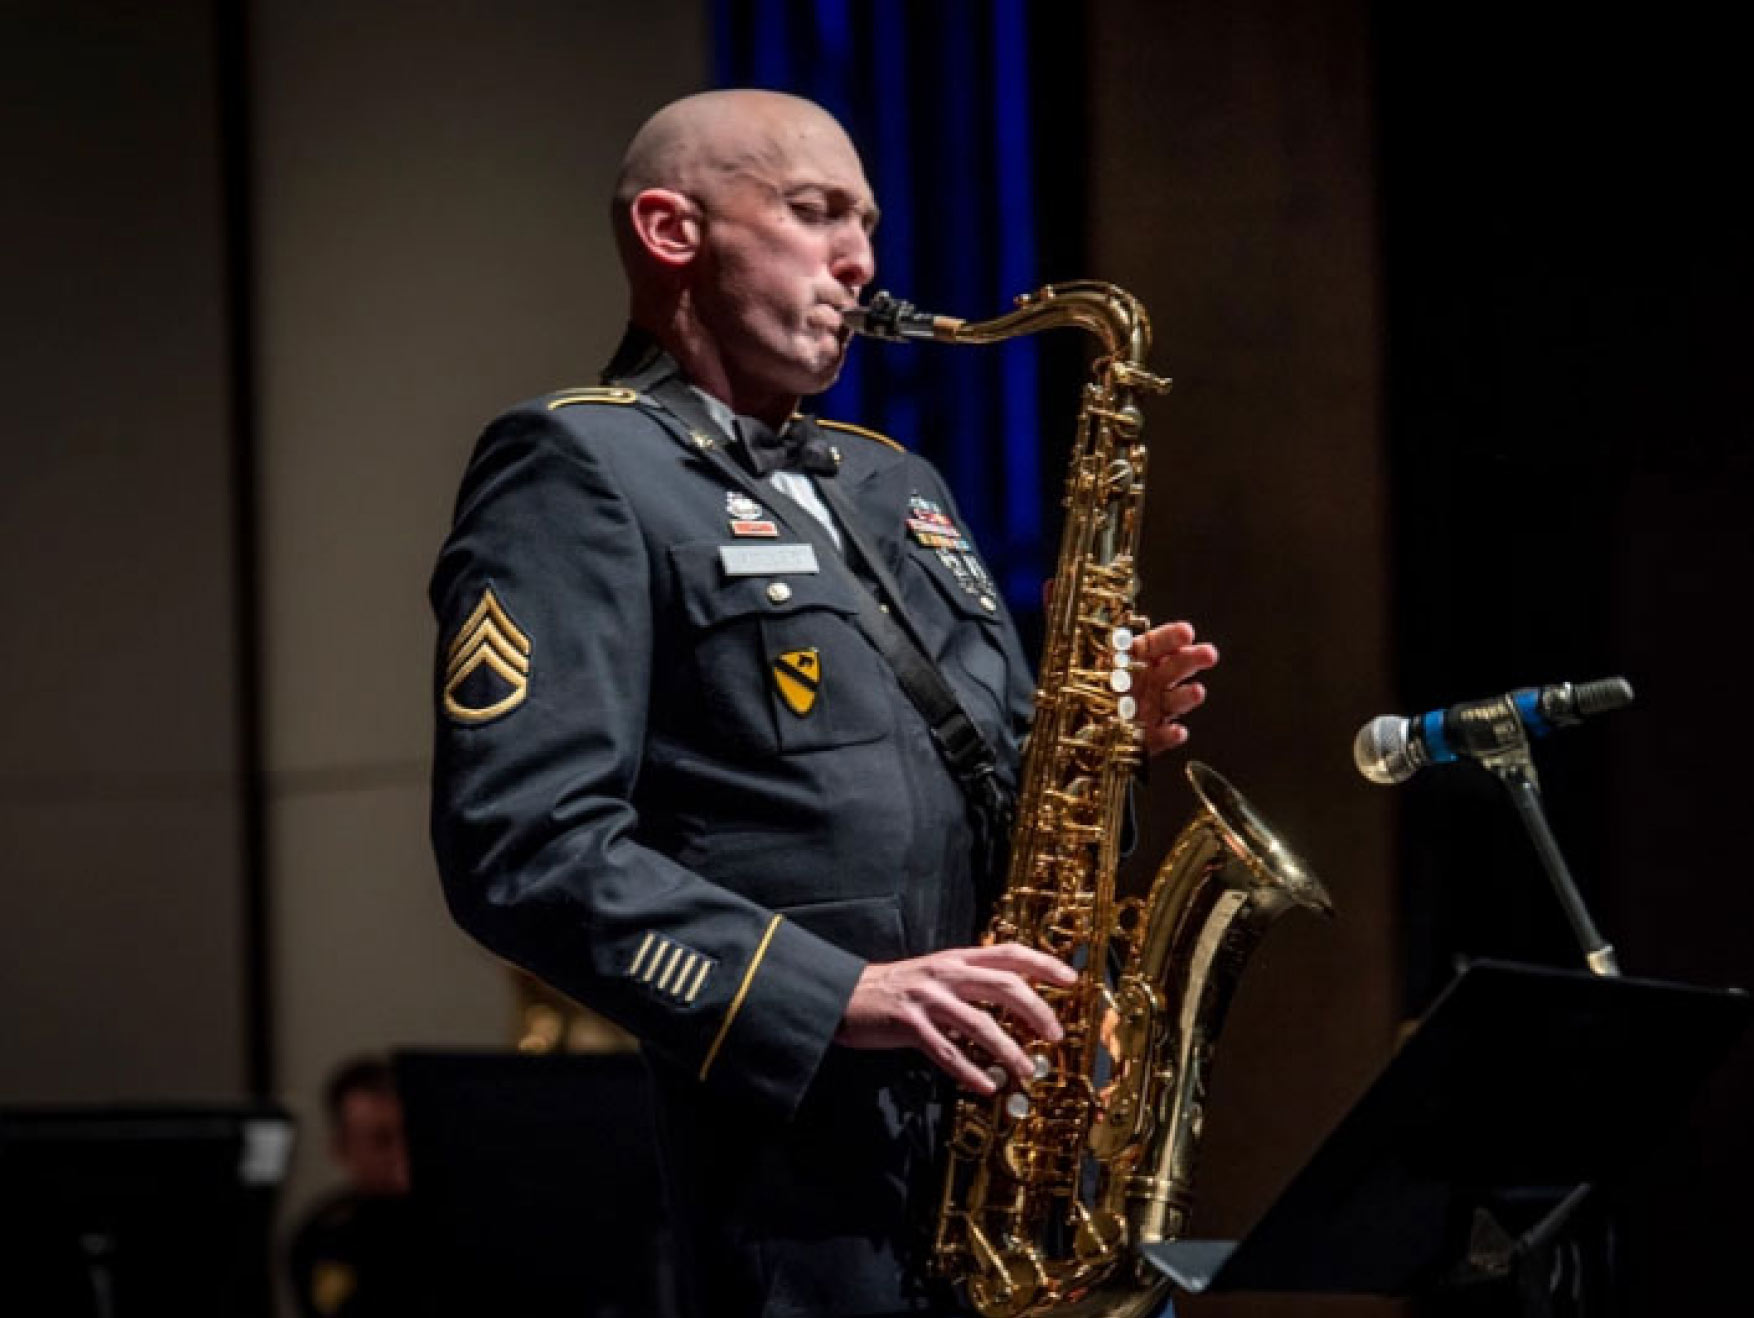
<point>1513,764</point>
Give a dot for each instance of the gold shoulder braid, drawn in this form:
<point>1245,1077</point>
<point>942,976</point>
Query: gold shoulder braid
<point>848,428</point>
<point>617,395</point>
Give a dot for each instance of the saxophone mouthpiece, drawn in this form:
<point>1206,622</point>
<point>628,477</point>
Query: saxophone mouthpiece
<point>886,317</point>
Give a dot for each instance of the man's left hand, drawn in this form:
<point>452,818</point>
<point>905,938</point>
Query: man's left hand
<point>1164,687</point>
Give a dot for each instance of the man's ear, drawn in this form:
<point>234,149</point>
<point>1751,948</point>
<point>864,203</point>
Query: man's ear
<point>667,225</point>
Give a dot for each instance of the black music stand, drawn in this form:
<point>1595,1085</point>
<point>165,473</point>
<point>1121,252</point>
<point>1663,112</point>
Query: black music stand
<point>535,1184</point>
<point>1521,1086</point>
<point>109,1212</point>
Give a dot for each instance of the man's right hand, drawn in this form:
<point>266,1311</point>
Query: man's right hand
<point>935,1003</point>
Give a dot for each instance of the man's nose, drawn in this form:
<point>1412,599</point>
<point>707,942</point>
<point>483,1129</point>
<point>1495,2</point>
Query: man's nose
<point>855,263</point>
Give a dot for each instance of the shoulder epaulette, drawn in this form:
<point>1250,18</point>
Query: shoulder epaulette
<point>617,394</point>
<point>848,428</point>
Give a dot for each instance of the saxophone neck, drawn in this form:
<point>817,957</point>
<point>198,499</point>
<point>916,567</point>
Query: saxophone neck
<point>1112,314</point>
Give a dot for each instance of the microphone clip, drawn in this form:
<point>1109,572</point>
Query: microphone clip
<point>1492,733</point>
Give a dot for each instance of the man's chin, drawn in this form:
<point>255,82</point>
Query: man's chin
<point>822,373</point>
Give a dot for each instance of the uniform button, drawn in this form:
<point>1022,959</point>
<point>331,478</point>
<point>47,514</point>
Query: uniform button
<point>884,607</point>
<point>779,592</point>
<point>989,603</point>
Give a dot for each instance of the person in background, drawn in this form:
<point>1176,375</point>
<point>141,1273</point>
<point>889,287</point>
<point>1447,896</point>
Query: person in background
<point>352,1257</point>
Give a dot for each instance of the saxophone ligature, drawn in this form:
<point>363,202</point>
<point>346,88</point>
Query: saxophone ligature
<point>1050,1189</point>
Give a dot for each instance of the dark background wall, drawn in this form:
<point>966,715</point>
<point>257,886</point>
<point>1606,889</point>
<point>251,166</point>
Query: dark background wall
<point>121,805</point>
<point>1572,476</point>
<point>1233,187</point>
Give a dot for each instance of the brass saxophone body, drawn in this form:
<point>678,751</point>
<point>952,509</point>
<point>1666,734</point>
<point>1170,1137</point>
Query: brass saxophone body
<point>1051,1189</point>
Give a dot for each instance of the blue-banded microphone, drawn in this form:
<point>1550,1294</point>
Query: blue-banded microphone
<point>1391,750</point>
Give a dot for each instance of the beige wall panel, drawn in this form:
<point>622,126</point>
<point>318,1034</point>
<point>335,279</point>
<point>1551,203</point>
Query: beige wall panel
<point>120,892</point>
<point>369,959</point>
<point>1233,191</point>
<point>432,188</point>
<point>115,553</point>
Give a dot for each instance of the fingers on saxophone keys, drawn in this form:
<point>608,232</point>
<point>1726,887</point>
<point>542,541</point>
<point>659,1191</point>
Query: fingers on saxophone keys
<point>1164,736</point>
<point>988,1049</point>
<point>967,1052</point>
<point>1163,639</point>
<point>950,1058</point>
<point>1021,960</point>
<point>1180,701</point>
<point>1012,994</point>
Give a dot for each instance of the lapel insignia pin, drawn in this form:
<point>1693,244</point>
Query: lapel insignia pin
<point>487,665</point>
<point>747,516</point>
<point>797,676</point>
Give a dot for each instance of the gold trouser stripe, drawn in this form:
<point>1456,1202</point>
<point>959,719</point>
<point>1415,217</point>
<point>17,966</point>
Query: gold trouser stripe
<point>742,992</point>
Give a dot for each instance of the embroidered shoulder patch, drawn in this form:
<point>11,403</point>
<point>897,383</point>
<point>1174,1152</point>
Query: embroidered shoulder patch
<point>487,664</point>
<point>617,395</point>
<point>846,427</point>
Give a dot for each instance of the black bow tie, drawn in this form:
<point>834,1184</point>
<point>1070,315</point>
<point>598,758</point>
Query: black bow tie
<point>799,447</point>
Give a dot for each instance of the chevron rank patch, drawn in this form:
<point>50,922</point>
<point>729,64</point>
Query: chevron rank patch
<point>797,676</point>
<point>673,970</point>
<point>487,665</point>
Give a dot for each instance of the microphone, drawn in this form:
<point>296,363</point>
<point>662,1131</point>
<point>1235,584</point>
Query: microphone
<point>1391,750</point>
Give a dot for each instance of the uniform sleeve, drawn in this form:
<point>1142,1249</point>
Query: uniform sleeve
<point>543,595</point>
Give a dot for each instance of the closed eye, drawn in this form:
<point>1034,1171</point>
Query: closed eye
<point>814,207</point>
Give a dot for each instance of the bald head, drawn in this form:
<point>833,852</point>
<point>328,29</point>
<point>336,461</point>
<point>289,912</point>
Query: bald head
<point>744,222</point>
<point>691,144</point>
<point>702,144</point>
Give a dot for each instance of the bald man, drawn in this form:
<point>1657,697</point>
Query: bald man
<point>676,774</point>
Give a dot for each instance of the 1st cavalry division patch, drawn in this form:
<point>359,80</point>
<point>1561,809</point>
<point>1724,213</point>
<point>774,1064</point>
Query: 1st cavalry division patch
<point>797,676</point>
<point>487,666</point>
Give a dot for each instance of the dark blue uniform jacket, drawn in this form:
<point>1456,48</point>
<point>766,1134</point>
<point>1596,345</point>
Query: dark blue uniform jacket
<point>676,781</point>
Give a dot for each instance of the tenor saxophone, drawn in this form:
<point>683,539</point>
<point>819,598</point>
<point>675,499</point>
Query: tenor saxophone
<point>1051,1188</point>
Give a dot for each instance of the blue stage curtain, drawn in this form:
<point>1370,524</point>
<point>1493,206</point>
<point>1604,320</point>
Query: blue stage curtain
<point>938,99</point>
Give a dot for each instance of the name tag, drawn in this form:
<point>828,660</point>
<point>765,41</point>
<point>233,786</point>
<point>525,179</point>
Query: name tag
<point>767,560</point>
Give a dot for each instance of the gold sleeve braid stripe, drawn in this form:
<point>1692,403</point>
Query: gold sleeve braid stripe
<point>712,1053</point>
<point>488,638</point>
<point>669,967</point>
<point>846,427</point>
